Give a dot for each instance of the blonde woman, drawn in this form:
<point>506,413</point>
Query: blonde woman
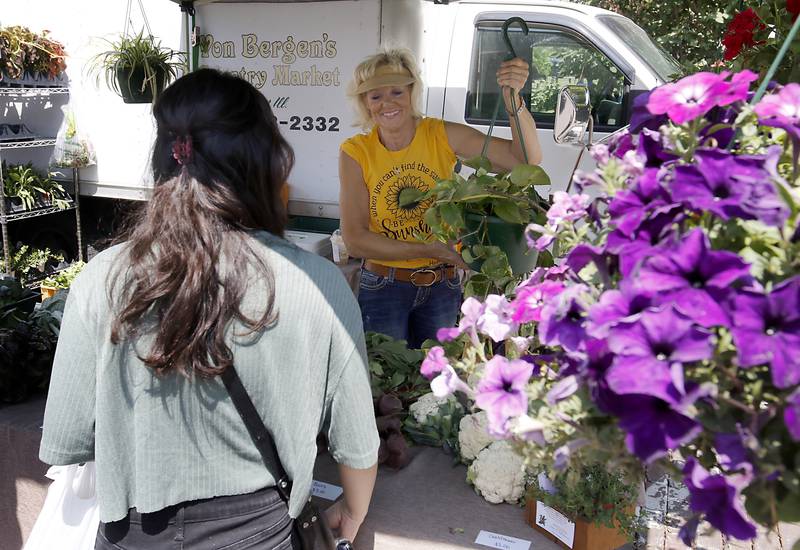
<point>409,289</point>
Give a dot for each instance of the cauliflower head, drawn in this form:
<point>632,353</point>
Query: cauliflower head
<point>498,474</point>
<point>473,435</point>
<point>428,405</point>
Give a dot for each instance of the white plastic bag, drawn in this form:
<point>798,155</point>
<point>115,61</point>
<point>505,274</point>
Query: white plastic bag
<point>70,516</point>
<point>73,148</point>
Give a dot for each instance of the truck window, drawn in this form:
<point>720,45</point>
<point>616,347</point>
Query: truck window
<point>557,57</point>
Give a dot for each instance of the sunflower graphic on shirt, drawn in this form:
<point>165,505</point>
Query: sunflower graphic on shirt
<point>413,211</point>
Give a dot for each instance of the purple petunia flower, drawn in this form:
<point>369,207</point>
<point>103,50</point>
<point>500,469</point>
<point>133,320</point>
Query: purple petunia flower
<point>528,304</point>
<point>719,498</point>
<point>654,426</point>
<point>563,319</point>
<point>615,306</point>
<point>766,330</point>
<point>651,149</point>
<point>641,117</point>
<point>630,207</point>
<point>711,184</point>
<point>631,249</point>
<point>650,353</point>
<point>562,389</point>
<point>791,415</point>
<point>434,363</point>
<point>732,186</point>
<point>731,452</point>
<point>546,236</point>
<point>584,254</point>
<point>694,277</point>
<point>502,392</point>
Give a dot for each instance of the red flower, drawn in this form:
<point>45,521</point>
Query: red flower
<point>793,7</point>
<point>741,31</point>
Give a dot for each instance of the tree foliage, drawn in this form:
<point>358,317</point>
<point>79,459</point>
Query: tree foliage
<point>690,31</point>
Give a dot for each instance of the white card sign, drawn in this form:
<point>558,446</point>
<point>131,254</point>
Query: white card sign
<point>494,540</point>
<point>325,490</point>
<point>555,523</point>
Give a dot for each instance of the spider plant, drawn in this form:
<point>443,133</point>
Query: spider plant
<point>137,68</point>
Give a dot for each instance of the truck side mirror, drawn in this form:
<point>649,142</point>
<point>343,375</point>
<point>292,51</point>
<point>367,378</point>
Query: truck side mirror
<point>573,115</point>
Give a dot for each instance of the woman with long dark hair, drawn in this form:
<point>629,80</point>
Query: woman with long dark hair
<point>203,281</point>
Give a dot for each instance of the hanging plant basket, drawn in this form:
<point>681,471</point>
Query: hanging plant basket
<point>510,238</point>
<point>134,89</point>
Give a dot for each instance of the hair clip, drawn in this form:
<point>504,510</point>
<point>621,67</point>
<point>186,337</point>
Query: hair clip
<point>182,149</point>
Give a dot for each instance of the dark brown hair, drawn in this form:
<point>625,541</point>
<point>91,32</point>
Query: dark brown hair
<point>189,255</point>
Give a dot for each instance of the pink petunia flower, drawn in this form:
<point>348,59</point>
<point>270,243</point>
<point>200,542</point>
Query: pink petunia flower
<point>448,382</point>
<point>496,322</point>
<point>530,300</point>
<point>688,98</point>
<point>434,363</point>
<point>785,104</point>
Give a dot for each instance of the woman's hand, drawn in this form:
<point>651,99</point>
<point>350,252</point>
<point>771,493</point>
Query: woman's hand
<point>447,254</point>
<point>342,522</point>
<point>512,77</point>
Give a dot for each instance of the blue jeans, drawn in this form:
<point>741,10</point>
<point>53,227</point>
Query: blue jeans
<point>405,311</point>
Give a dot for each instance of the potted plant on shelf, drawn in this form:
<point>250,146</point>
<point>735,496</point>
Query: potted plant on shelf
<point>30,59</point>
<point>62,279</point>
<point>137,68</point>
<point>488,214</point>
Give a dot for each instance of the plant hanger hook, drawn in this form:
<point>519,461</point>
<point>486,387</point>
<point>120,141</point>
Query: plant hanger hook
<point>506,39</point>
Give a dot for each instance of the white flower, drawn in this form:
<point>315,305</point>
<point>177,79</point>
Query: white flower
<point>428,405</point>
<point>473,435</point>
<point>498,474</point>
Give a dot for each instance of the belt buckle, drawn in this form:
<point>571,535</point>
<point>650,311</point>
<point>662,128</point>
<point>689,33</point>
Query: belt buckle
<point>423,270</point>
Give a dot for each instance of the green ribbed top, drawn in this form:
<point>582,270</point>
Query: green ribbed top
<point>161,441</point>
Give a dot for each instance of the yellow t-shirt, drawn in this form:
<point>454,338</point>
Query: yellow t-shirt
<point>426,160</point>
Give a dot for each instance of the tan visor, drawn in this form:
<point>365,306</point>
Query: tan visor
<point>386,76</point>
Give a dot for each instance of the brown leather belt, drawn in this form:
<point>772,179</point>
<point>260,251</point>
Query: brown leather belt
<point>422,276</point>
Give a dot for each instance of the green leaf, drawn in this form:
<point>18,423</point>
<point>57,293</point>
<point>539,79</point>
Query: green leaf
<point>545,259</point>
<point>397,379</point>
<point>452,215</point>
<point>478,285</point>
<point>509,211</point>
<point>410,196</point>
<point>496,266</point>
<point>467,255</point>
<point>477,163</point>
<point>527,174</point>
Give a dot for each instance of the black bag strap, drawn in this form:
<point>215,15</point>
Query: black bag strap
<point>258,431</point>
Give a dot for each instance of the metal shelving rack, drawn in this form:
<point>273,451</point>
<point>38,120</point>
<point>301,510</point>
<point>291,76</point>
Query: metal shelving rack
<point>5,217</point>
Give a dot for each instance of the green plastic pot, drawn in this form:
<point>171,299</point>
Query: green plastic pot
<point>130,85</point>
<point>509,237</point>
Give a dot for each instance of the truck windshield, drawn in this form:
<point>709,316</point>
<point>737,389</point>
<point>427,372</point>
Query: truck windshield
<point>664,65</point>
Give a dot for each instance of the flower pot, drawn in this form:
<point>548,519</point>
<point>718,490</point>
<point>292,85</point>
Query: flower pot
<point>575,535</point>
<point>130,85</point>
<point>47,291</point>
<point>509,237</point>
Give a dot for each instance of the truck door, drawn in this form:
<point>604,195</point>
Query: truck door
<point>561,49</point>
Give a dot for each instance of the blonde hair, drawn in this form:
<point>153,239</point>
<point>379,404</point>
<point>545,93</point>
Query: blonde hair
<point>399,58</point>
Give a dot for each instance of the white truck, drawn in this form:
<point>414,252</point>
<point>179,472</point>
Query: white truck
<point>301,55</point>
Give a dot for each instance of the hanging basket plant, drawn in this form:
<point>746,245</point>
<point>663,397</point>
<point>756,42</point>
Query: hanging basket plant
<point>137,68</point>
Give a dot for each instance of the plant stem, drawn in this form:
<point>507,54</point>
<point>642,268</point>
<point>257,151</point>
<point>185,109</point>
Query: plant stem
<point>738,404</point>
<point>776,62</point>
